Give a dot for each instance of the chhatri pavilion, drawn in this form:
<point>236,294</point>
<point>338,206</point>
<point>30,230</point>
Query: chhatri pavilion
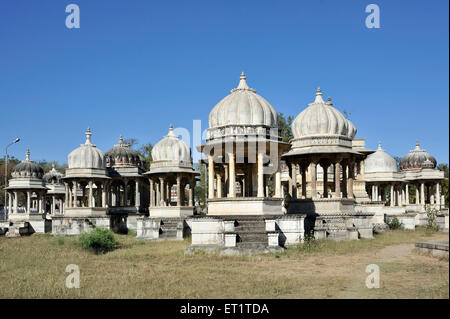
<point>261,193</point>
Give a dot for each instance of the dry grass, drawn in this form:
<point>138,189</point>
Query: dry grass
<point>34,267</point>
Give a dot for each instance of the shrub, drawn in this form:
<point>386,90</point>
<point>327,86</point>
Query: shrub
<point>432,219</point>
<point>100,239</point>
<point>395,223</point>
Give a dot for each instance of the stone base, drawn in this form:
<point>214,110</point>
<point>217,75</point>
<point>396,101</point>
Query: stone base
<point>171,211</point>
<point>438,249</point>
<point>15,229</point>
<point>161,228</point>
<point>408,220</point>
<point>232,251</point>
<point>244,206</point>
<point>85,212</point>
<point>443,221</point>
<point>321,206</point>
<point>71,226</point>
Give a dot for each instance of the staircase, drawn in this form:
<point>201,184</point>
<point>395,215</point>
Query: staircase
<point>169,228</point>
<point>251,231</point>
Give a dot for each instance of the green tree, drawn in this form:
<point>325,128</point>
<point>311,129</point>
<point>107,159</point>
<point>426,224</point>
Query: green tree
<point>284,125</point>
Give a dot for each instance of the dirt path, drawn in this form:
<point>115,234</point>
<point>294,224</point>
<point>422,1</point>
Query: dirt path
<point>356,287</point>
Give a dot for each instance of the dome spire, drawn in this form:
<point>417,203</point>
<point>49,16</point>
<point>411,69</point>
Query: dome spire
<point>53,166</point>
<point>27,154</point>
<point>417,145</point>
<point>318,96</point>
<point>88,136</point>
<point>121,139</point>
<point>379,146</point>
<point>171,133</point>
<point>329,102</point>
<point>243,84</point>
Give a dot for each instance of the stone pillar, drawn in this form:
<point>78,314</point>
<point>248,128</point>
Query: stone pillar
<point>66,199</point>
<point>399,198</point>
<point>260,175</point>
<point>70,196</point>
<point>325,181</point>
<point>219,185</point>
<point>407,194</point>
<point>61,207</point>
<point>28,202</point>
<point>210,176</point>
<point>53,208</point>
<point>392,201</point>
<point>293,190</point>
<point>403,197</point>
<point>417,194</point>
<point>232,177</point>
<point>75,194</point>
<point>178,190</point>
<point>137,195</point>
<point>422,193</point>
<point>303,170</point>
<point>10,205</point>
<point>15,203</point>
<point>337,179</point>
<point>104,200</point>
<point>344,180</point>
<point>125,193</point>
<point>313,169</point>
<point>152,193</point>
<point>192,192</point>
<point>351,172</point>
<point>278,181</point>
<point>438,194</point>
<point>90,199</point>
<point>161,191</point>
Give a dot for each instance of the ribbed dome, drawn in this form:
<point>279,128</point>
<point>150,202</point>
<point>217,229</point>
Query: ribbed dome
<point>53,176</point>
<point>321,118</point>
<point>243,107</point>
<point>417,158</point>
<point>87,155</point>
<point>171,148</point>
<point>27,168</point>
<point>122,155</point>
<point>380,162</point>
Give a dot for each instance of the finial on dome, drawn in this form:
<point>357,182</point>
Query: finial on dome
<point>243,82</point>
<point>120,139</point>
<point>171,133</point>
<point>88,136</point>
<point>53,166</point>
<point>379,146</point>
<point>417,145</point>
<point>28,154</point>
<point>329,101</point>
<point>318,96</point>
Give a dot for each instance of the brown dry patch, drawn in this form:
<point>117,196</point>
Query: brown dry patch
<point>34,267</point>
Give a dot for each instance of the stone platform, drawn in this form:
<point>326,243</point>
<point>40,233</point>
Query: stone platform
<point>439,249</point>
<point>244,206</point>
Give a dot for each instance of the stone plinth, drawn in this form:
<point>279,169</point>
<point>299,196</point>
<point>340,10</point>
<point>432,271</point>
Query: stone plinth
<point>71,226</point>
<point>244,206</point>
<point>87,212</point>
<point>292,230</point>
<point>171,211</point>
<point>408,220</point>
<point>321,206</point>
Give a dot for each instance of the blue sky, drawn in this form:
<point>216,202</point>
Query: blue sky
<point>134,67</point>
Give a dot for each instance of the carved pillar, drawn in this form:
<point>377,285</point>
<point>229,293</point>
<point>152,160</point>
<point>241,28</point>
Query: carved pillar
<point>28,202</point>
<point>407,194</point>
<point>178,190</point>
<point>278,181</point>
<point>152,193</point>
<point>422,193</point>
<point>303,168</point>
<point>351,173</point>
<point>232,177</point>
<point>344,180</point>
<point>337,179</point>
<point>75,194</point>
<point>260,175</point>
<point>313,169</point>
<point>210,176</point>
<point>219,185</point>
<point>325,179</point>
<point>161,191</point>
<point>438,194</point>
<point>137,195</point>
<point>90,201</point>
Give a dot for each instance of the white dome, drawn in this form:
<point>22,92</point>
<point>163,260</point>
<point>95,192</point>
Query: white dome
<point>243,107</point>
<point>171,148</point>
<point>87,155</point>
<point>380,162</point>
<point>321,118</point>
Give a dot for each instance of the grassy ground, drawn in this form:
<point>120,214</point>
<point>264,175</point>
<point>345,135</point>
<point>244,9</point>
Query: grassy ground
<point>34,267</point>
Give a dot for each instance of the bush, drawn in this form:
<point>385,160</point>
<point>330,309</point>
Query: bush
<point>432,219</point>
<point>395,223</point>
<point>100,239</point>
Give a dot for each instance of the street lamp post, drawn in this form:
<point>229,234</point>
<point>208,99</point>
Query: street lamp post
<point>6,175</point>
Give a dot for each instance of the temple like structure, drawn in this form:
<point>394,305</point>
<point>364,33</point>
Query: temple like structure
<point>261,193</point>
